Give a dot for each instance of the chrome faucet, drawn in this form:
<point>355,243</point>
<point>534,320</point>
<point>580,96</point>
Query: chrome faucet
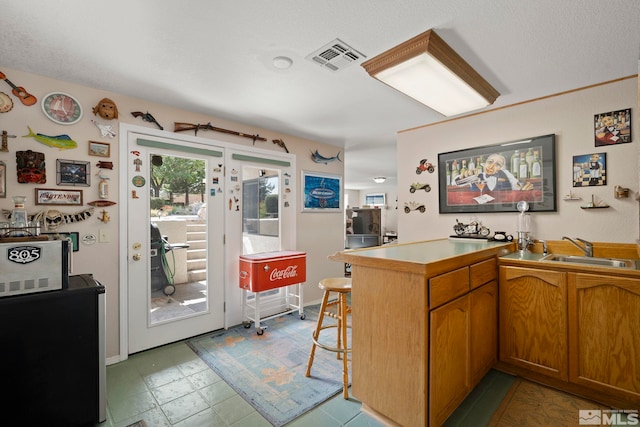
<point>545,250</point>
<point>588,246</point>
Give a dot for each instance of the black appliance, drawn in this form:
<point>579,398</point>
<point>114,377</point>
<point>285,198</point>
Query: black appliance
<point>52,362</point>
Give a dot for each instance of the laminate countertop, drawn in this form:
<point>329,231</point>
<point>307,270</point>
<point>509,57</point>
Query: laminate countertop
<point>426,255</point>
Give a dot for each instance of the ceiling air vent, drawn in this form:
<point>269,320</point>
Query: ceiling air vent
<point>335,55</point>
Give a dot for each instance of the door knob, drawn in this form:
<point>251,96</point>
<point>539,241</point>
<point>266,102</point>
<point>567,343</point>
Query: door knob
<point>136,257</point>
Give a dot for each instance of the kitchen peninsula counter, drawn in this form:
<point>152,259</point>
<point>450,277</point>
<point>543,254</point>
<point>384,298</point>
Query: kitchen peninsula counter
<point>414,307</point>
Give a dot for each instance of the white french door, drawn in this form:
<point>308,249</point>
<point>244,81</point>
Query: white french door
<point>175,240</point>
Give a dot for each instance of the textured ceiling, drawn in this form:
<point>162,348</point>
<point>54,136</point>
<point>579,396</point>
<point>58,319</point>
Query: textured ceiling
<point>215,57</point>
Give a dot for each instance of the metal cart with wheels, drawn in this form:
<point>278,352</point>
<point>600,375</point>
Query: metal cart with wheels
<point>266,271</point>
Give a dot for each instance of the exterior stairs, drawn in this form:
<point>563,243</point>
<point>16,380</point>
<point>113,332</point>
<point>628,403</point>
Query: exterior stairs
<point>197,252</point>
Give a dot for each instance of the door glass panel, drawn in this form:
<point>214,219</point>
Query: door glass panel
<point>178,222</point>
<point>260,210</point>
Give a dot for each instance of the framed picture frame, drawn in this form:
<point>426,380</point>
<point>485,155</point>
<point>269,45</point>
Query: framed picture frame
<point>73,172</point>
<point>3,180</point>
<point>494,178</point>
<point>613,127</point>
<point>52,196</point>
<point>321,192</point>
<point>100,149</point>
<point>73,237</point>
<point>590,170</point>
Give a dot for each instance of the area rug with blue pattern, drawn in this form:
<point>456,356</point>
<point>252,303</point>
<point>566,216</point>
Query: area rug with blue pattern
<point>268,370</point>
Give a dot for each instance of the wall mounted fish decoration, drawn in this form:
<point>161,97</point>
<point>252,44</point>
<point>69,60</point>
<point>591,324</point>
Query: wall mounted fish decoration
<point>318,158</point>
<point>63,142</point>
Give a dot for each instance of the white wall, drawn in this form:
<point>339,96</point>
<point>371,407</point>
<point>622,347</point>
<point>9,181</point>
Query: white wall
<point>570,117</point>
<point>320,234</point>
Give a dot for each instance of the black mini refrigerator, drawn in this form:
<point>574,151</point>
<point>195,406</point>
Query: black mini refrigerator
<point>52,356</point>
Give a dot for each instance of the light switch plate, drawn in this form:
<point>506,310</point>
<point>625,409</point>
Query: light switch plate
<point>103,236</point>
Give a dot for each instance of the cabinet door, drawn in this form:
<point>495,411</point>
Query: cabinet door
<point>449,359</point>
<point>483,304</point>
<point>533,320</point>
<point>604,333</point>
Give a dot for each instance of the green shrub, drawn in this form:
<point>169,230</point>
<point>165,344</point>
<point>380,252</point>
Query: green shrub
<point>158,202</point>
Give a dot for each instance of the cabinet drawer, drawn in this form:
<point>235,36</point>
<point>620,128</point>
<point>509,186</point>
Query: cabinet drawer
<point>448,286</point>
<point>484,272</point>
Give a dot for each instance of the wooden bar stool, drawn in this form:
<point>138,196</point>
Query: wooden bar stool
<point>341,286</point>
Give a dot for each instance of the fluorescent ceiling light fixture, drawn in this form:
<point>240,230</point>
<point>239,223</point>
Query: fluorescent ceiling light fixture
<point>428,70</point>
<point>379,179</point>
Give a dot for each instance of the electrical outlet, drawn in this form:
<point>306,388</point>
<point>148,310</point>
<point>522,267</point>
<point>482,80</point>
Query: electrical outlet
<point>103,236</point>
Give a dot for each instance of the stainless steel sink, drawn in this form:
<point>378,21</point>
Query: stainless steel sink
<point>594,261</point>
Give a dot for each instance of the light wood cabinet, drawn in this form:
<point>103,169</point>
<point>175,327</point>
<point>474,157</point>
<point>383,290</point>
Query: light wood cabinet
<point>533,320</point>
<point>463,335</point>
<point>417,308</point>
<point>483,305</point>
<point>604,333</point>
<point>450,379</point>
<point>576,331</point>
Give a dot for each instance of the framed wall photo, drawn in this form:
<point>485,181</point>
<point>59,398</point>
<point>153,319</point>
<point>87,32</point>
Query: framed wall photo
<point>321,192</point>
<point>100,149</point>
<point>72,172</point>
<point>613,127</point>
<point>3,180</point>
<point>51,196</point>
<point>494,178</point>
<point>590,170</point>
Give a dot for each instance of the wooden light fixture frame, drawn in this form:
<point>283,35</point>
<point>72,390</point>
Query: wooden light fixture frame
<point>429,42</point>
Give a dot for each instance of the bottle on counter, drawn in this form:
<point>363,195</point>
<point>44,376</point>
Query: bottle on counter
<point>19,220</point>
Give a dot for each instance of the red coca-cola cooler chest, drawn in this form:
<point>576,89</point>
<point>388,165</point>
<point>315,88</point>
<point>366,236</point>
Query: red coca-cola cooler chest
<point>269,270</point>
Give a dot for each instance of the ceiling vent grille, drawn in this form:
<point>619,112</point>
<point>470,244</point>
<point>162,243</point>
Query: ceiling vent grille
<point>335,55</point>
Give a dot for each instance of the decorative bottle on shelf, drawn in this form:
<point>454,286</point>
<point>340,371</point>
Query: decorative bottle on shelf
<point>464,171</point>
<point>471,167</point>
<point>515,163</point>
<point>529,159</point>
<point>103,187</point>
<point>536,166</point>
<point>523,171</point>
<point>19,216</point>
<point>448,169</point>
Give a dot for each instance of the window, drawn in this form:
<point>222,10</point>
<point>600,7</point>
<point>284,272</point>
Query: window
<point>377,199</point>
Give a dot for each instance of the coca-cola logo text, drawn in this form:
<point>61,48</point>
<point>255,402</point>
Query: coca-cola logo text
<point>290,271</point>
